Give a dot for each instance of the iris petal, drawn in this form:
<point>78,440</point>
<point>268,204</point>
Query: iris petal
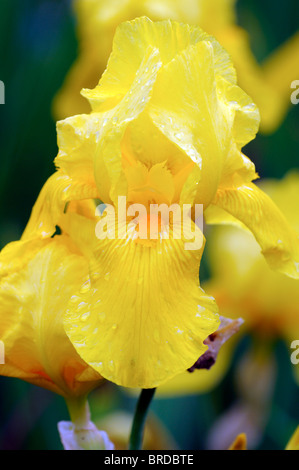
<point>145,317</point>
<point>37,279</point>
<point>254,209</point>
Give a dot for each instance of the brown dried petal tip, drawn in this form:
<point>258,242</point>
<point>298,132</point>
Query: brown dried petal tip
<point>227,328</point>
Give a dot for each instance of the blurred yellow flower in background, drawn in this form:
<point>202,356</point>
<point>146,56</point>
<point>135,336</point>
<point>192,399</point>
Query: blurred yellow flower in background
<point>293,444</point>
<point>242,282</point>
<point>167,126</point>
<point>244,285</point>
<point>118,425</point>
<point>96,24</point>
<point>240,442</point>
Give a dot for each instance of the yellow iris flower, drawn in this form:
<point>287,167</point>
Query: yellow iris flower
<point>240,442</point>
<point>242,282</point>
<point>167,126</point>
<point>37,279</point>
<point>118,425</point>
<point>293,443</point>
<point>97,22</point>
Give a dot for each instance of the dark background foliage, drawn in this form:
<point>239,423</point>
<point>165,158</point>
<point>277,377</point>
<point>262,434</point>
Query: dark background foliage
<point>37,46</point>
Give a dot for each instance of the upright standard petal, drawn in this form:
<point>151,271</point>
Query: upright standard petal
<point>133,38</point>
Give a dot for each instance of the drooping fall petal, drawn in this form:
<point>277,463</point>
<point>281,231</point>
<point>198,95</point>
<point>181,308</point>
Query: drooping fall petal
<point>253,208</point>
<point>150,331</point>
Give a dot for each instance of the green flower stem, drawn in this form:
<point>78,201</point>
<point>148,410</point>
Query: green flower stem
<point>82,434</point>
<point>137,431</point>
<point>79,411</point>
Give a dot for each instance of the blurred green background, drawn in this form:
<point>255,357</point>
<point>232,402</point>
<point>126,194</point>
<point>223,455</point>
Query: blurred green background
<point>37,47</point>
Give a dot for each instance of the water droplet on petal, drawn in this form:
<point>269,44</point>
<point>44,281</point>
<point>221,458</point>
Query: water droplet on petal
<point>179,136</point>
<point>74,299</point>
<point>85,288</point>
<point>179,331</point>
<point>81,306</point>
<point>85,316</point>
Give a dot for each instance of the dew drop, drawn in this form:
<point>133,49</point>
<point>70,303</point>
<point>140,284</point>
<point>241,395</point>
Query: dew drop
<point>179,332</point>
<point>85,288</point>
<point>85,316</point>
<point>179,136</point>
<point>81,306</point>
<point>249,107</point>
<point>74,299</point>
